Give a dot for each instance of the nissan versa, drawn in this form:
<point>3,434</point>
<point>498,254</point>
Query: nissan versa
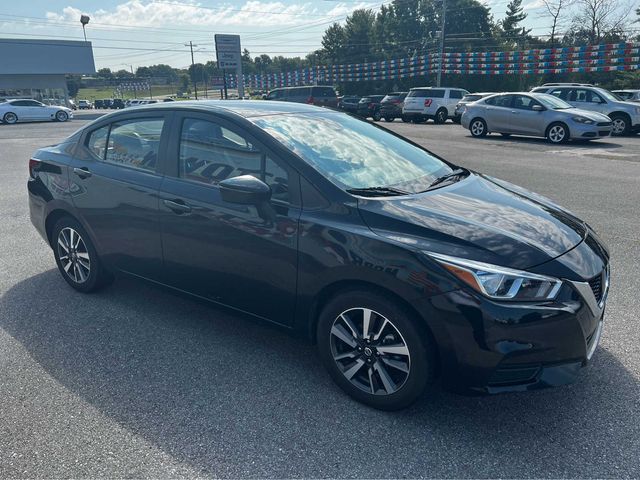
<point>402,267</point>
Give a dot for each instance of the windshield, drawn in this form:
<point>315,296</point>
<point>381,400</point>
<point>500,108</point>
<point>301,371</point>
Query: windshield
<point>353,153</point>
<point>552,102</point>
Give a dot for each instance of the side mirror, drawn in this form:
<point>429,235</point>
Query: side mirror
<point>537,108</point>
<point>244,190</point>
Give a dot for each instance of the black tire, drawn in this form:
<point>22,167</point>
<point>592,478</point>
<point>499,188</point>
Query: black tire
<point>557,133</point>
<point>621,124</point>
<point>376,116</point>
<point>96,277</point>
<point>62,116</point>
<point>406,119</point>
<point>389,119</point>
<point>478,127</point>
<point>441,116</point>
<point>10,118</point>
<point>401,388</point>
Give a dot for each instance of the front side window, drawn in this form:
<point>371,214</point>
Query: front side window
<point>522,102</point>
<point>135,143</point>
<point>353,153</point>
<point>562,93</point>
<point>210,153</point>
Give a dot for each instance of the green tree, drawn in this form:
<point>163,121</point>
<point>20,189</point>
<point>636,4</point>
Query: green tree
<point>105,73</point>
<point>513,33</point>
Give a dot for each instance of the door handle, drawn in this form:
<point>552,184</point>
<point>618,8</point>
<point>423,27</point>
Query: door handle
<point>82,172</point>
<point>177,206</point>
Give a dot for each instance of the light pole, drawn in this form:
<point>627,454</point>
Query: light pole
<point>84,19</point>
<point>193,68</point>
<point>442,27</point>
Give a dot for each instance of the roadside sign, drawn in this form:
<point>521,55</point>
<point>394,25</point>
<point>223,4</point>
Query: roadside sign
<point>229,56</point>
<point>217,82</point>
<point>229,59</point>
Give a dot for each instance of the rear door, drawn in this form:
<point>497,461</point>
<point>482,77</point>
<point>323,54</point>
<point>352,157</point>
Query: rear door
<point>115,181</point>
<point>244,256</point>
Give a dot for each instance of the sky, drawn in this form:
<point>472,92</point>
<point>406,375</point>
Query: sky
<point>132,33</point>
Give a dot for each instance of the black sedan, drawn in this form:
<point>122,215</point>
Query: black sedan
<point>401,266</point>
<point>369,107</point>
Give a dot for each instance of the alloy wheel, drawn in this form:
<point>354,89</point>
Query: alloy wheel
<point>442,116</point>
<point>10,117</point>
<point>619,126</point>
<point>557,133</point>
<point>477,128</point>
<point>61,116</point>
<point>370,351</point>
<point>73,255</point>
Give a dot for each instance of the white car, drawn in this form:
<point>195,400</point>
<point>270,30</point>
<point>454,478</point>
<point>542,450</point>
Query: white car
<point>27,110</point>
<point>439,104</point>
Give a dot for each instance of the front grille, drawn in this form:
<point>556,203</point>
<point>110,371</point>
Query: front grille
<point>604,124</point>
<point>596,286</point>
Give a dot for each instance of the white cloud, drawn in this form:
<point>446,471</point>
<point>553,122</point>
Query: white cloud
<point>158,13</point>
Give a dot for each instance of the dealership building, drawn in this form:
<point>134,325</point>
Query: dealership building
<point>37,68</point>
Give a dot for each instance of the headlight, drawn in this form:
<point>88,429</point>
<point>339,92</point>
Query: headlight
<point>500,283</point>
<point>584,120</point>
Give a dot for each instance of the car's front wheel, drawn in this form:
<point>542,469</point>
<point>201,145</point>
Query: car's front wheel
<point>557,133</point>
<point>374,351</point>
<point>389,119</point>
<point>376,116</point>
<point>62,116</point>
<point>76,256</point>
<point>478,127</point>
<point>621,124</point>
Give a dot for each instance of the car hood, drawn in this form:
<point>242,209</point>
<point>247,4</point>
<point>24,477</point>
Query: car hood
<point>595,116</point>
<point>478,218</point>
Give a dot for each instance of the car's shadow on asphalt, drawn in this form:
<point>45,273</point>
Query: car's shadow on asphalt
<point>224,394</point>
<point>514,139</point>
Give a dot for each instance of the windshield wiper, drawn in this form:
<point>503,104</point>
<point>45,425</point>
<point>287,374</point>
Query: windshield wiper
<point>377,191</point>
<point>449,176</point>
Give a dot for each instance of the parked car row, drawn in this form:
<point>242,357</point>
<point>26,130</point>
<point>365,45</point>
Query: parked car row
<point>29,110</point>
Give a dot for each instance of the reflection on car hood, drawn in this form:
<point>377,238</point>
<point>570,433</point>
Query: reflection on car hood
<point>595,116</point>
<point>479,218</point>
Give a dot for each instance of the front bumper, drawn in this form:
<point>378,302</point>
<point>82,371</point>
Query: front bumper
<point>583,131</point>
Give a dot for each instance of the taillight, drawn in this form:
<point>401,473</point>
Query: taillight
<point>427,102</point>
<point>310,100</point>
<point>33,167</point>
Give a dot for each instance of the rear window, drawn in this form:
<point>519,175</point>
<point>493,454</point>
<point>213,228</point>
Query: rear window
<point>324,92</point>
<point>427,93</point>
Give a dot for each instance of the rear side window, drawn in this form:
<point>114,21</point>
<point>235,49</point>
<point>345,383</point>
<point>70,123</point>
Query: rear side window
<point>323,92</point>
<point>455,94</point>
<point>421,93</point>
<point>135,143</point>
<point>499,101</point>
<point>97,141</point>
<point>210,153</point>
<point>435,93</point>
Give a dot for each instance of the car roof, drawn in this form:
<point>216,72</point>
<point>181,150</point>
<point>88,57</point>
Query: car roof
<point>243,108</point>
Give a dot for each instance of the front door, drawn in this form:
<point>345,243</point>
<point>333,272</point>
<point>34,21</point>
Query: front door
<point>243,256</point>
<point>114,183</point>
<point>527,121</point>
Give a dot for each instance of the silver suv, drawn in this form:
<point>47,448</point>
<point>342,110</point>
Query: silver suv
<point>439,104</point>
<point>624,115</point>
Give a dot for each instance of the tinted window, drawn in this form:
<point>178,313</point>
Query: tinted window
<point>19,103</point>
<point>353,153</point>
<point>435,93</point>
<point>455,94</point>
<point>560,93</point>
<point>298,92</point>
<point>499,101</point>
<point>210,153</point>
<point>277,178</point>
<point>323,92</point>
<point>421,93</point>
<point>523,102</point>
<point>135,143</point>
<point>97,141</point>
<point>471,98</point>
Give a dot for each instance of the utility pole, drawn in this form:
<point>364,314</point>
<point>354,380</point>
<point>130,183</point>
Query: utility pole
<point>193,68</point>
<point>442,27</point>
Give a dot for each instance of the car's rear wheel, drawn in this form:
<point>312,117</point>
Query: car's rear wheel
<point>389,119</point>
<point>557,133</point>
<point>76,256</point>
<point>374,351</point>
<point>62,116</point>
<point>441,116</point>
<point>10,118</point>
<point>376,116</point>
<point>405,119</point>
<point>621,125</point>
<point>478,127</point>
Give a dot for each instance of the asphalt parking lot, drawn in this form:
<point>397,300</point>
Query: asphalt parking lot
<point>136,381</point>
